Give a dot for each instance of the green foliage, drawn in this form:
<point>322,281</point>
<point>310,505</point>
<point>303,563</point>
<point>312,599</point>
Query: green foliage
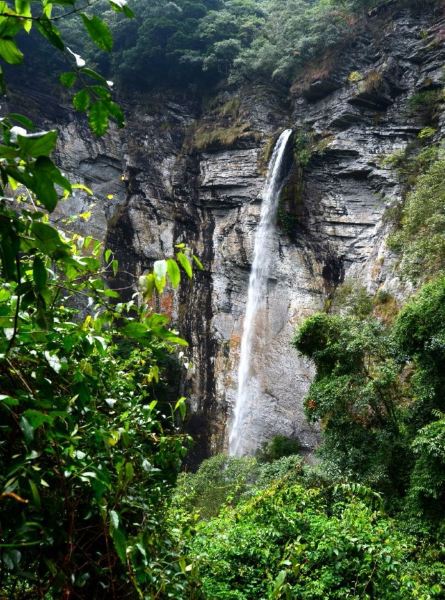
<point>279,446</point>
<point>218,481</point>
<point>377,393</point>
<point>89,439</point>
<point>352,298</point>
<point>427,486</point>
<point>291,542</point>
<point>184,42</point>
<point>421,235</point>
<point>426,104</point>
<point>356,395</point>
<point>25,21</point>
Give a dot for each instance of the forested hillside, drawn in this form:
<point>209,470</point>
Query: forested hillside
<point>116,352</point>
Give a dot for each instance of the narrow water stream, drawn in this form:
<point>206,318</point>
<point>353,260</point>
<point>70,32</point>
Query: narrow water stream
<point>248,385</point>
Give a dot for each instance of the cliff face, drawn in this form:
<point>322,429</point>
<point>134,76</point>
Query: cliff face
<point>179,172</point>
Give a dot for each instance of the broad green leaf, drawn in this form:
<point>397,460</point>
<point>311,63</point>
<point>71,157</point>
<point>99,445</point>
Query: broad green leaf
<point>174,339</point>
<point>27,429</point>
<point>8,400</point>
<point>94,75</point>
<point>40,274</point>
<point>81,100</point>
<point>147,285</point>
<point>98,31</point>
<point>50,32</point>
<point>27,123</point>
<point>185,263</point>
<point>98,117</point>
<point>9,52</point>
<point>135,329</point>
<point>68,79</point>
<point>38,144</point>
<point>120,544</point>
<point>23,8</point>
<point>181,406</point>
<point>37,418</point>
<point>35,493</point>
<point>117,113</point>
<point>47,175</point>
<point>9,152</point>
<point>173,272</point>
<point>48,239</point>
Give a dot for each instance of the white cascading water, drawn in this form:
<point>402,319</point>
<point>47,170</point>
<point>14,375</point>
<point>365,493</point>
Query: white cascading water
<point>248,385</point>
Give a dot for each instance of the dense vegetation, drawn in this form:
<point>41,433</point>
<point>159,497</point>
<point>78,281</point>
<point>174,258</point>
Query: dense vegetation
<point>90,437</point>
<point>196,44</point>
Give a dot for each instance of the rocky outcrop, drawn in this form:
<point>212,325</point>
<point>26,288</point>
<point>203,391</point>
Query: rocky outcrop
<point>181,173</point>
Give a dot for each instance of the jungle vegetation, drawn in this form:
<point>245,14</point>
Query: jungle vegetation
<point>93,503</point>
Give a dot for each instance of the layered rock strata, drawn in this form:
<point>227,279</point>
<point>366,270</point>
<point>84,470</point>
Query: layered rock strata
<point>179,172</point>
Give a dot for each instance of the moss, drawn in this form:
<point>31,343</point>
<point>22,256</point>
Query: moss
<point>355,77</point>
<point>207,136</point>
<point>352,298</point>
<point>231,108</point>
<point>266,153</point>
<point>386,307</point>
<point>290,204</point>
<point>308,144</point>
<point>426,105</point>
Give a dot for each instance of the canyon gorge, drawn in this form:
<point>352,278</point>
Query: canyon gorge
<point>186,170</point>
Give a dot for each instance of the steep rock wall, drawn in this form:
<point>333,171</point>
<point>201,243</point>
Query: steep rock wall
<point>181,172</point>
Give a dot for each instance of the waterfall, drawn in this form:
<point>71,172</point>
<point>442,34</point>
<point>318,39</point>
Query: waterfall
<point>248,384</point>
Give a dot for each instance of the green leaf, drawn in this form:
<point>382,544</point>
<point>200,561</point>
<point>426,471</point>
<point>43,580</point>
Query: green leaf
<point>8,400</point>
<point>36,418</point>
<point>68,79</point>
<point>35,493</point>
<point>185,263</point>
<point>173,272</point>
<point>23,8</point>
<point>117,113</point>
<point>94,75</point>
<point>47,238</point>
<point>47,175</point>
<point>120,544</point>
<point>181,406</point>
<point>118,537</point>
<point>98,117</point>
<point>27,429</point>
<point>98,31</point>
<point>27,123</point>
<point>147,285</point>
<point>38,144</point>
<point>134,329</point>
<point>40,274</point>
<point>121,6</point>
<point>81,100</point>
<point>50,32</point>
<point>9,52</point>
<point>198,263</point>
<point>174,339</point>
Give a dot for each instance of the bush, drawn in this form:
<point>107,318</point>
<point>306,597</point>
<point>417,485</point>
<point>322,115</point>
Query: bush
<point>288,542</point>
<point>218,481</point>
<point>278,447</point>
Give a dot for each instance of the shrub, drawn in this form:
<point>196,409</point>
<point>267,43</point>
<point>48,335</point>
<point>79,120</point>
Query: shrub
<point>279,446</point>
<point>289,542</point>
